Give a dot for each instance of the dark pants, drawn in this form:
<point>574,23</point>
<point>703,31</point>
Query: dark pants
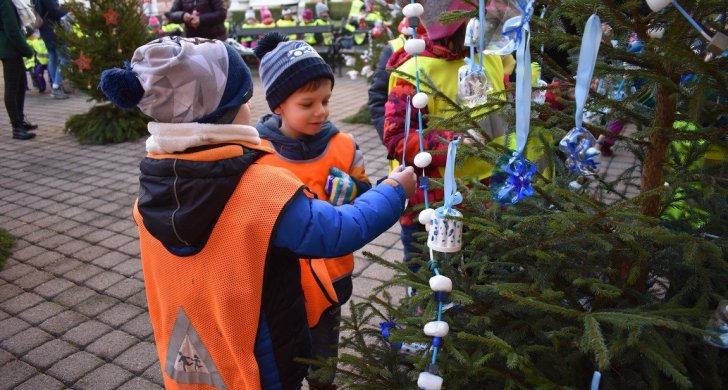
<point>325,343</point>
<point>407,235</point>
<point>15,84</point>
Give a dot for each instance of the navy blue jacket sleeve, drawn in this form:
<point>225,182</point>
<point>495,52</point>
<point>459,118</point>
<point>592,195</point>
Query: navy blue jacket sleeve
<point>315,228</point>
<point>378,90</point>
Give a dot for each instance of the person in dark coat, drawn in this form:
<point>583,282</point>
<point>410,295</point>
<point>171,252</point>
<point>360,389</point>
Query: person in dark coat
<point>202,18</point>
<point>52,14</point>
<point>13,48</point>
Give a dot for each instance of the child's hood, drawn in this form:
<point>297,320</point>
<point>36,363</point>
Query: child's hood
<point>304,148</point>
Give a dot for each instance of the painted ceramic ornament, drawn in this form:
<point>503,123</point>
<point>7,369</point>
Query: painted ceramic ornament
<point>582,151</point>
<point>511,180</point>
<point>446,234</point>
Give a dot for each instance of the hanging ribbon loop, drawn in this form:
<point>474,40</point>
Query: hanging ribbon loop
<point>452,195</point>
<point>587,60</point>
<point>523,90</point>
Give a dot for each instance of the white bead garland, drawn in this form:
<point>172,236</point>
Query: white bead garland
<point>440,283</point>
<point>423,160</point>
<point>413,10</point>
<point>425,216</point>
<point>437,328</point>
<point>656,5</point>
<point>414,46</point>
<point>419,101</point>
<point>429,381</point>
<point>407,31</point>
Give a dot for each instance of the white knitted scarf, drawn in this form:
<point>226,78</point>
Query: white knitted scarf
<point>177,137</point>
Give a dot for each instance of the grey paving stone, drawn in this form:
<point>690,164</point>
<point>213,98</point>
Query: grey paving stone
<point>3,314</point>
<point>98,236</point>
<point>74,295</point>
<point>137,358</point>
<point>86,333</point>
<point>140,327</point>
<point>125,288</point>
<point>91,253</point>
<point>62,322</point>
<point>104,280</point>
<point>12,273</point>
<point>9,291</point>
<point>119,314</point>
<point>47,354</point>
<point>131,249</point>
<point>110,260</point>
<point>96,304</point>
<point>126,225</point>
<point>34,216</point>
<point>53,287</point>
<point>41,312</point>
<point>44,259</point>
<point>54,242</point>
<point>21,302</point>
<point>81,230</point>
<point>138,299</point>
<point>82,273</point>
<point>139,384</point>
<point>12,326</point>
<point>22,342</point>
<point>154,374</point>
<point>106,377</point>
<point>41,381</point>
<point>129,267</point>
<point>5,357</point>
<point>111,344</point>
<point>33,233</point>
<point>14,373</point>
<point>72,368</point>
<point>72,248</point>
<point>116,241</point>
<point>64,225</point>
<point>33,279</point>
<point>63,265</point>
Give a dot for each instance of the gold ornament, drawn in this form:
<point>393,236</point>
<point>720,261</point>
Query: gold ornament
<point>88,86</point>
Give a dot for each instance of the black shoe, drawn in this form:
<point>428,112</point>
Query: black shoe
<point>29,126</point>
<point>22,133</point>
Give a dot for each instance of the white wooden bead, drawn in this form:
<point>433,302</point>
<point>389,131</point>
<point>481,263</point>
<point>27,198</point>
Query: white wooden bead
<point>414,46</point>
<point>423,160</point>
<point>429,381</point>
<point>407,31</point>
<point>420,100</point>
<point>437,328</point>
<point>440,283</point>
<point>425,216</point>
<point>413,10</point>
<point>656,5</point>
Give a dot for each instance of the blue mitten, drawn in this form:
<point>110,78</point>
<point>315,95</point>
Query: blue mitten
<point>340,187</point>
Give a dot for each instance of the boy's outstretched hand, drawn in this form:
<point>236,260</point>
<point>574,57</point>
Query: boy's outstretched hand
<point>406,178</point>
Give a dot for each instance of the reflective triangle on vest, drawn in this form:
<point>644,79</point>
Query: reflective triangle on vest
<point>188,361</point>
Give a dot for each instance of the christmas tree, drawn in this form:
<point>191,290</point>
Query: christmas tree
<point>105,35</point>
<point>584,276</point>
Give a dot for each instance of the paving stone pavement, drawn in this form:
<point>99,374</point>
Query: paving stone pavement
<point>73,312</point>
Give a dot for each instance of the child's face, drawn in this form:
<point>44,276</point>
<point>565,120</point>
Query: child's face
<point>304,112</point>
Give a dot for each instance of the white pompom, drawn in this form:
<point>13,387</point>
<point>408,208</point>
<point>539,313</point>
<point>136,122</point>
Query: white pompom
<point>423,160</point>
<point>413,10</point>
<point>420,100</point>
<point>656,5</point>
<point>414,46</point>
<point>429,381</point>
<point>440,283</point>
<point>425,216</point>
<point>436,328</point>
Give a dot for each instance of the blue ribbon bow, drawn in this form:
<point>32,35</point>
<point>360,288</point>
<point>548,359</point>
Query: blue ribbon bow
<point>452,196</point>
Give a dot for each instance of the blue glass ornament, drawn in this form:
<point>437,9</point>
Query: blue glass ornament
<point>581,151</point>
<point>511,180</point>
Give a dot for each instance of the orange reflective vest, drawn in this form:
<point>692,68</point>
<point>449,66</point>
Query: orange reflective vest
<point>318,275</point>
<point>205,308</point>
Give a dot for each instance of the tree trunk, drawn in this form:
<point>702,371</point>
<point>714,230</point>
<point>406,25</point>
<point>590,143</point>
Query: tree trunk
<point>656,153</point>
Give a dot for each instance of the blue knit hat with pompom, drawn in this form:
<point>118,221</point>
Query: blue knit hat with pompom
<point>286,66</point>
<point>178,80</point>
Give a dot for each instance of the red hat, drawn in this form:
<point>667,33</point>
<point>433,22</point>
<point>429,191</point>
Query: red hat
<point>307,14</point>
<point>435,9</point>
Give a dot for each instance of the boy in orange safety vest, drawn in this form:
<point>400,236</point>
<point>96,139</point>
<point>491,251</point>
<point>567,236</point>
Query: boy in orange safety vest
<point>220,233</point>
<point>298,85</point>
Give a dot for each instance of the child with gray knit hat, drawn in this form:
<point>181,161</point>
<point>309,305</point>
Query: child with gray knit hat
<point>298,85</point>
<point>220,233</point>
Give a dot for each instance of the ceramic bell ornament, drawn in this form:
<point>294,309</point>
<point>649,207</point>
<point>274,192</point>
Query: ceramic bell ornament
<point>473,84</point>
<point>446,226</point>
